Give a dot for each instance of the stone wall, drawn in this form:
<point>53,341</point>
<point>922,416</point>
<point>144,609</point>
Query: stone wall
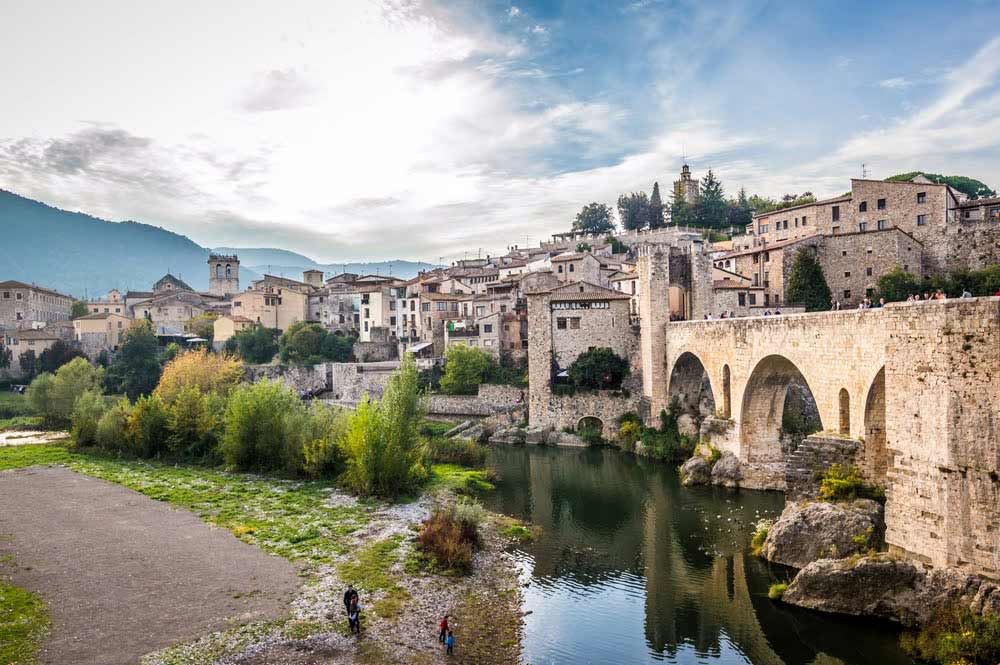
<point>562,411</point>
<point>349,382</point>
<point>970,245</point>
<point>300,378</point>
<point>814,455</point>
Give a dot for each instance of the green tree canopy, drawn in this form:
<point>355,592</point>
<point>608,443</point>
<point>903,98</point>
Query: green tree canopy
<point>740,210</point>
<point>255,345</point>
<point>806,283</point>
<point>711,209</point>
<point>594,218</point>
<point>599,368</point>
<point>203,325</point>
<point>898,285</point>
<point>57,355</point>
<point>971,187</point>
<point>633,209</point>
<point>465,367</point>
<point>310,343</point>
<point>54,396</point>
<point>79,309</point>
<point>655,208</point>
<point>136,368</point>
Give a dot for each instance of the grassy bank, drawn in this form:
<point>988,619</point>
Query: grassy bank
<point>23,624</point>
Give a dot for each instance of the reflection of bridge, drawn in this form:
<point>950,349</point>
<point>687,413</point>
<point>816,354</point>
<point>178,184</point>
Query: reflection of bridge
<point>916,385</point>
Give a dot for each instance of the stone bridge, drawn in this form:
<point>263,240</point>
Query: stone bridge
<point>915,385</point>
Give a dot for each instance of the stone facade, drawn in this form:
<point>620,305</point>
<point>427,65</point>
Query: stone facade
<point>29,306</point>
<point>223,274</point>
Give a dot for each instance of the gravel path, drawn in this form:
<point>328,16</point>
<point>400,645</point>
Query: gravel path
<point>122,574</point>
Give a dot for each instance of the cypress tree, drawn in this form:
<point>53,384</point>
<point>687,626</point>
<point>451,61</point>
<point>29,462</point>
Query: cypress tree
<point>806,284</point>
<point>712,210</point>
<point>655,208</point>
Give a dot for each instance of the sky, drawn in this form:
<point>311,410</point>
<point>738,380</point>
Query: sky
<point>435,130</point>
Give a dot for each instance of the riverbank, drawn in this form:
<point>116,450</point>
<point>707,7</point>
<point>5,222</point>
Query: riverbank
<point>334,539</point>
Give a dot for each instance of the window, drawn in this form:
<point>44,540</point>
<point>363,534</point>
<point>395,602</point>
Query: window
<point>786,223</point>
<point>796,222</point>
<point>392,305</point>
<point>921,197</point>
<point>843,252</point>
<point>847,294</point>
<point>561,323</point>
<point>836,213</point>
<point>574,323</point>
<point>742,299</point>
<point>881,204</point>
<point>366,326</point>
<point>868,272</point>
<point>426,306</point>
<point>753,298</point>
<point>767,299</point>
<point>442,306</point>
<point>6,295</point>
<point>764,228</point>
<point>863,206</point>
<point>862,226</point>
<point>571,267</point>
<point>767,257</point>
<point>18,296</point>
<point>392,320</point>
<point>488,327</point>
<point>560,269</point>
<point>803,220</point>
<point>835,230</point>
<point>882,224</point>
<point>454,306</point>
<point>921,220</point>
<point>869,250</point>
<point>367,313</point>
<point>847,273</point>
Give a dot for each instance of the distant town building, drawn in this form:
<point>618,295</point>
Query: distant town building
<point>223,274</point>
<point>30,306</point>
<point>687,187</point>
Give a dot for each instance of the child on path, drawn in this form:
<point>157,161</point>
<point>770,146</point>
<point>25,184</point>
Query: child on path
<point>449,644</point>
<point>443,629</point>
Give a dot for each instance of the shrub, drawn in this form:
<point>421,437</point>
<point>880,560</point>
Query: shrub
<point>761,529</point>
<point>112,428</point>
<point>844,483</point>
<point>54,396</point>
<point>314,436</point>
<point>667,443</point>
<point>256,344</point>
<point>255,431</point>
<point>956,635</point>
<point>451,534</point>
<point>591,434</point>
<point>39,394</point>
<point>464,452</point>
<point>306,343</point>
<point>87,414</point>
<point>148,427</point>
<point>465,367</point>
<point>776,591</point>
<point>206,372</point>
<point>628,434</point>
<point>383,449</point>
<point>196,424</point>
<point>599,368</point>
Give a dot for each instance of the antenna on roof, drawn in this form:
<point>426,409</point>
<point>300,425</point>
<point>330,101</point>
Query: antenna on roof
<point>864,171</point>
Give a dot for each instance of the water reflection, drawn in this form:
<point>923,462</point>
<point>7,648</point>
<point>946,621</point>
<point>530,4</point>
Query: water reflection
<point>633,568</point>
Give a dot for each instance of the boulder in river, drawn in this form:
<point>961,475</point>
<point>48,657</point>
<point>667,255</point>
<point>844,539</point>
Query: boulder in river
<point>812,530</point>
<point>696,471</point>
<point>727,471</point>
<point>687,425</point>
<point>890,588</point>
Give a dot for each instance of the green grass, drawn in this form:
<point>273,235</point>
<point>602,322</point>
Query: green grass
<point>23,623</point>
<point>284,517</point>
<point>14,404</point>
<point>776,591</point>
<point>459,479</point>
<point>370,571</point>
<point>432,428</point>
<point>22,423</point>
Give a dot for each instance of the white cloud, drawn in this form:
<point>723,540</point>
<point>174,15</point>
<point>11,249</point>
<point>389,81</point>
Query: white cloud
<point>895,83</point>
<point>514,11</point>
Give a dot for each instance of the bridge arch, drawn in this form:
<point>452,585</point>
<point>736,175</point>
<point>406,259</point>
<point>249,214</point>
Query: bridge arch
<point>876,448</point>
<point>763,408</point>
<point>690,384</point>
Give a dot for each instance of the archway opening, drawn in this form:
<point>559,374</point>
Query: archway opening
<point>845,412</point>
<point>590,429</point>
<point>876,451</point>
<point>778,411</point>
<point>727,408</point>
<point>690,387</point>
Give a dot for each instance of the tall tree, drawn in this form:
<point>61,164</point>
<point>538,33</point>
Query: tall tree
<point>6,356</point>
<point>740,211</point>
<point>79,309</point>
<point>681,212</point>
<point>655,208</point>
<point>633,209</point>
<point>806,283</point>
<point>712,211</point>
<point>57,355</point>
<point>136,369</point>
<point>594,218</point>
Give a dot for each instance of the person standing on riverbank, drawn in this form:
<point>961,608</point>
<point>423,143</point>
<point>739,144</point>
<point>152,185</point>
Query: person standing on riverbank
<point>443,629</point>
<point>350,596</point>
<point>449,644</point>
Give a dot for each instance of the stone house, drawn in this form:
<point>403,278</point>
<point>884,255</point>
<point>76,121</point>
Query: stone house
<point>171,310</point>
<point>224,327</point>
<point>578,267</point>
<point>114,303</point>
<point>100,331</point>
<point>30,306</point>
<point>27,340</point>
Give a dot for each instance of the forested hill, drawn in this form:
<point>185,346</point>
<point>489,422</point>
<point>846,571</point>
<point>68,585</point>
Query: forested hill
<point>971,187</point>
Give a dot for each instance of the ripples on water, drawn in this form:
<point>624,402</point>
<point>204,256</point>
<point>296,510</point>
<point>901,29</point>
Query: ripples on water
<point>633,568</point>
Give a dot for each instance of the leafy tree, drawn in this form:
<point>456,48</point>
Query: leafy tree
<point>205,372</point>
<point>594,218</point>
<point>740,210</point>
<point>338,348</point>
<point>54,395</point>
<point>971,187</point>
<point>6,356</point>
<point>255,430</point>
<point>57,355</point>
<point>79,309</point>
<point>600,368</point>
<point>711,209</point>
<point>617,246</point>
<point>655,208</point>
<point>465,367</point>
<point>681,212</point>
<point>203,325</point>
<point>583,247</point>
<point>28,362</point>
<point>897,285</point>
<point>136,369</point>
<point>255,345</point>
<point>633,209</point>
<point>806,284</point>
<point>87,412</point>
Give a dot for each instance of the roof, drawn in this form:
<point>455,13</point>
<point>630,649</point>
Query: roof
<point>975,203</point>
<point>732,284</point>
<point>622,276</point>
<point>14,284</point>
<point>582,291</point>
<point>418,347</point>
<point>170,279</point>
<point>31,333</point>
<point>99,315</point>
<point>138,294</point>
<point>573,256</point>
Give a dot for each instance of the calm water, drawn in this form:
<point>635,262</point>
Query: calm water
<point>633,568</point>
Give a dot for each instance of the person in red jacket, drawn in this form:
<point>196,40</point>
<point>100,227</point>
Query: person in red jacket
<point>443,628</point>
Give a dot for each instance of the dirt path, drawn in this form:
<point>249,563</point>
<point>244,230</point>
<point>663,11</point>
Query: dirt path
<point>122,574</point>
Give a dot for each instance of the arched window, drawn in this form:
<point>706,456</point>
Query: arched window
<point>845,412</point>
<point>229,271</point>
<point>218,271</point>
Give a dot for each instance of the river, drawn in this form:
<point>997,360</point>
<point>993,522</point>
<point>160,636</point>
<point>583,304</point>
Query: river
<point>631,567</point>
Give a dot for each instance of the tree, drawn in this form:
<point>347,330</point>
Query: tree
<point>971,187</point>
<point>203,325</point>
<point>594,218</point>
<point>27,361</point>
<point>79,309</point>
<point>57,355</point>
<point>465,367</point>
<point>897,285</point>
<point>711,209</point>
<point>740,210</point>
<point>655,208</point>
<point>806,284</point>
<point>54,396</point>
<point>633,209</point>
<point>6,356</point>
<point>255,345</point>
<point>136,369</point>
<point>681,212</point>
<point>310,343</point>
<point>600,368</point>
<point>583,247</point>
<point>206,372</point>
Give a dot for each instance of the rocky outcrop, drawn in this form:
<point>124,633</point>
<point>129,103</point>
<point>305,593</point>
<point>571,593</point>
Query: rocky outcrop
<point>537,436</point>
<point>727,471</point>
<point>812,530</point>
<point>889,588</point>
<point>687,425</point>
<point>696,471</point>
<point>513,435</point>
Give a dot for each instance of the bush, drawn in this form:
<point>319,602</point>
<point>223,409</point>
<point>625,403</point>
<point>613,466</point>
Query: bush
<point>196,424</point>
<point>465,367</point>
<point>87,412</point>
<point>148,428</point>
<point>628,434</point>
<point>844,483</point>
<point>667,443</point>
<point>599,368</point>
<point>776,591</point>
<point>383,450</point>
<point>205,372</point>
<point>956,635</point>
<point>112,428</point>
<point>451,535</point>
<point>306,343</point>
<point>591,434</point>
<point>314,436</point>
<point>54,396</point>
<point>761,529</point>
<point>255,427</point>
<point>464,452</point>
<point>256,345</point>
